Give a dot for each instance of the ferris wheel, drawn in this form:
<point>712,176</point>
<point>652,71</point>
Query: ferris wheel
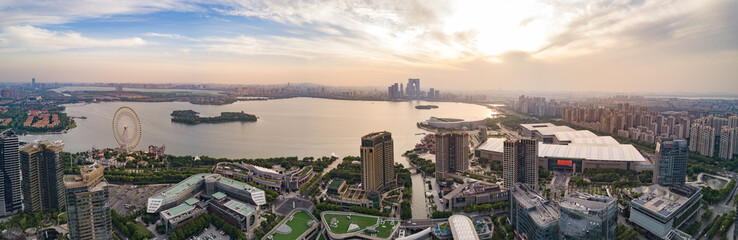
<point>126,128</point>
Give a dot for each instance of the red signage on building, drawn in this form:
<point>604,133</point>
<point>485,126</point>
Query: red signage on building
<point>564,162</point>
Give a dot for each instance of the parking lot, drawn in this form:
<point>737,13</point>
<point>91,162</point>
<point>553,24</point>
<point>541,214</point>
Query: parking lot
<point>133,196</point>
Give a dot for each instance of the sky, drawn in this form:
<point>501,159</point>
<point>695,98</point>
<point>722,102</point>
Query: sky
<point>568,45</point>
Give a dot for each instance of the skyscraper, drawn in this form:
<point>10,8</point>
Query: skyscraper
<point>377,161</point>
<point>531,215</point>
<point>412,88</point>
<point>43,176</point>
<point>670,166</point>
<point>88,204</point>
<point>452,153</point>
<point>10,181</point>
<point>585,217</point>
<point>728,140</point>
<point>519,162</point>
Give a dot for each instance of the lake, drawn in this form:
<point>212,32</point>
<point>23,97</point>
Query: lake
<point>286,127</point>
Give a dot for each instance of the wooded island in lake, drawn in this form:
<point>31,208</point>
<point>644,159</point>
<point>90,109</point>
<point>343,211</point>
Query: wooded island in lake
<point>192,117</point>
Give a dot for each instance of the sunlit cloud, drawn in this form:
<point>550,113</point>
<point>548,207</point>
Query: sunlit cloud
<point>531,41</point>
<point>29,38</point>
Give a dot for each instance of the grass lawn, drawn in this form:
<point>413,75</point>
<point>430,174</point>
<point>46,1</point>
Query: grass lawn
<point>384,230</point>
<point>343,222</point>
<point>298,224</point>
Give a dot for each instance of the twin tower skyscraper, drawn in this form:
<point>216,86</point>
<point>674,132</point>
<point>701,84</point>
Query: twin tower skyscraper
<point>42,170</point>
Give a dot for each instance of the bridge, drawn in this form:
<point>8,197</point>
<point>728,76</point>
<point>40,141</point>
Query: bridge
<point>425,223</point>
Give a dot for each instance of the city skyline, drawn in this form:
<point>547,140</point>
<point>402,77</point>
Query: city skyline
<point>576,46</point>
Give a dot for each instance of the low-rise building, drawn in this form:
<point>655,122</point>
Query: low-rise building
<point>181,214</point>
<point>660,209</point>
<point>347,196</point>
<point>209,183</point>
<point>474,193</point>
<point>235,212</point>
<point>291,180</point>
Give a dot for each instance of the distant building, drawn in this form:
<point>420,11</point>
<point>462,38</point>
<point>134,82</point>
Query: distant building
<point>531,215</point>
<point>585,217</point>
<point>474,193</point>
<point>33,82</point>
<point>728,141</point>
<point>452,153</point>
<point>43,177</point>
<point>10,176</point>
<point>519,162</point>
<point>660,209</point>
<point>670,166</point>
<point>88,204</point>
<point>377,162</point>
<point>702,139</point>
<point>413,88</point>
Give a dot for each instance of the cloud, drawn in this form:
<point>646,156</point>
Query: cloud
<point>23,12</point>
<point>29,38</point>
<point>164,35</point>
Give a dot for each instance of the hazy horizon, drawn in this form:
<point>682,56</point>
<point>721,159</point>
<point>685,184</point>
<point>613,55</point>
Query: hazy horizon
<point>579,46</point>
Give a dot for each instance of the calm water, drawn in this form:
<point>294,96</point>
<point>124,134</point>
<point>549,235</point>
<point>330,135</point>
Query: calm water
<point>286,127</point>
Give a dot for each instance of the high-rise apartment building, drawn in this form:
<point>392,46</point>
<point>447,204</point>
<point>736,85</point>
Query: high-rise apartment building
<point>10,179</point>
<point>43,176</point>
<point>702,139</point>
<point>452,153</point>
<point>88,204</point>
<point>670,166</point>
<point>728,141</point>
<point>519,162</point>
<point>377,162</point>
<point>584,217</point>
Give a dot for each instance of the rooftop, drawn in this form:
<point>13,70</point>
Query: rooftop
<point>550,131</point>
<point>343,221</point>
<point>534,126</point>
<point>621,152</point>
<point>608,152</point>
<point>462,227</point>
<point>543,212</point>
<point>335,183</point>
<point>493,145</point>
<point>239,207</point>
<point>218,195</point>
<point>239,185</point>
<point>181,186</point>
<point>192,201</point>
<point>662,200</point>
<point>586,202</point>
<point>469,189</point>
<point>599,140</point>
<point>266,170</point>
<point>567,136</point>
<point>294,227</point>
<point>178,210</point>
